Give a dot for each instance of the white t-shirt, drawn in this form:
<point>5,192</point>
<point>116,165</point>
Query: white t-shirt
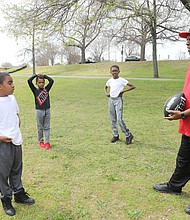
<point>9,121</point>
<point>116,86</point>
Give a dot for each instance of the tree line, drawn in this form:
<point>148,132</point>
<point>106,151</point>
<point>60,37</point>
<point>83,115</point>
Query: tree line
<point>70,28</point>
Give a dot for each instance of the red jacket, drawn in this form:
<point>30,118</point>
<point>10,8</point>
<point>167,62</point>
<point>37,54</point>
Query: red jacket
<point>184,125</point>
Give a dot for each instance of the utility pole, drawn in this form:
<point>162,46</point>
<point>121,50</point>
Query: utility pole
<point>122,53</point>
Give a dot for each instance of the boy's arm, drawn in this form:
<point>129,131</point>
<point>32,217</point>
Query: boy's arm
<point>106,91</point>
<point>51,81</point>
<point>30,83</point>
<point>19,119</point>
<point>131,87</point>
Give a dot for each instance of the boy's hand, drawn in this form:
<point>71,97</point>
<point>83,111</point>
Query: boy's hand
<point>121,93</point>
<point>5,139</point>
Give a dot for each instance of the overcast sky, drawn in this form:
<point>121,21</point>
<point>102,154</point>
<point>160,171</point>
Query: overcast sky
<point>8,46</point>
<point>9,50</point>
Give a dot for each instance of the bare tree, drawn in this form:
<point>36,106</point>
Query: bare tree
<point>33,18</point>
<point>6,65</point>
<point>148,21</point>
<point>135,33</point>
<point>54,14</point>
<point>72,54</point>
<point>85,26</point>
<point>42,60</point>
<point>47,53</point>
<point>161,20</point>
<point>97,48</point>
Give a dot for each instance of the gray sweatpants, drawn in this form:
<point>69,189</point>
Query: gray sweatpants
<point>115,106</point>
<point>10,169</point>
<point>43,124</point>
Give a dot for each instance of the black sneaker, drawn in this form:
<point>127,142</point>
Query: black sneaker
<point>114,139</point>
<point>129,139</point>
<point>7,206</point>
<point>187,210</point>
<point>23,197</point>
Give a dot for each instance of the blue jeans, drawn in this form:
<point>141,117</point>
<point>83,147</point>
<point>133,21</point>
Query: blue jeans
<point>43,124</point>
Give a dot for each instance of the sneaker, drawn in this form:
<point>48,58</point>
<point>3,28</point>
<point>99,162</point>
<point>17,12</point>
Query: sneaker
<point>187,209</point>
<point>114,139</point>
<point>23,197</point>
<point>47,146</point>
<point>7,206</point>
<point>129,139</point>
<point>41,144</point>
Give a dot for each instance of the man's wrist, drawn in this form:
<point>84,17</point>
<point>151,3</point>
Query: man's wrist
<point>183,115</point>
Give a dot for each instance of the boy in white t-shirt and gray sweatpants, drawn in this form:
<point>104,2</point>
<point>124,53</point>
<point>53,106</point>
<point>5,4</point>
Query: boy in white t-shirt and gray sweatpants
<point>10,148</point>
<point>116,86</point>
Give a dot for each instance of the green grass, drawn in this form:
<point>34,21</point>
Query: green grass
<point>83,176</point>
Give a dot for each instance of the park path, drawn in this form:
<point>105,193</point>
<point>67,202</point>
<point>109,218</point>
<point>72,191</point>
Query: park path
<point>107,77</point>
<point>102,77</point>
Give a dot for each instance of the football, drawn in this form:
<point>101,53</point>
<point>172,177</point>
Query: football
<point>175,102</point>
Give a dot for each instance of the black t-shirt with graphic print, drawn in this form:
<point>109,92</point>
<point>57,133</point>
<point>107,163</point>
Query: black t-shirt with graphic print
<point>42,100</point>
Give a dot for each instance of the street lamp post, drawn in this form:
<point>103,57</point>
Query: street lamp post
<point>122,53</point>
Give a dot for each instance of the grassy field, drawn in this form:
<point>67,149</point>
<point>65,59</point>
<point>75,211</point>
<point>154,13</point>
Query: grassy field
<point>83,176</point>
<point>167,69</point>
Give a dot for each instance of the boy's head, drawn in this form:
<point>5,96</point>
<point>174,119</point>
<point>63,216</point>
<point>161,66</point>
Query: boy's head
<point>114,70</point>
<point>40,81</point>
<point>6,84</point>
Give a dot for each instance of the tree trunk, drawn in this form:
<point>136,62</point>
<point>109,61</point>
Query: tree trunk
<point>33,52</point>
<point>82,55</point>
<point>52,61</point>
<point>154,55</point>
<point>154,43</point>
<point>143,52</point>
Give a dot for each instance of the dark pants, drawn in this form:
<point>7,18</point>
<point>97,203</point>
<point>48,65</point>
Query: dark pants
<point>10,169</point>
<point>181,173</point>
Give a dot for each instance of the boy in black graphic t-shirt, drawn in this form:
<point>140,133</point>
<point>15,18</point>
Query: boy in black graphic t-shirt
<point>42,105</point>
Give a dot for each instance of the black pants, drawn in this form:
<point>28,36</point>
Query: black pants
<point>181,173</point>
<point>10,169</point>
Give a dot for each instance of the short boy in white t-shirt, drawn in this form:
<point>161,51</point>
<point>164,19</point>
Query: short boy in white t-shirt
<point>10,148</point>
<point>117,88</point>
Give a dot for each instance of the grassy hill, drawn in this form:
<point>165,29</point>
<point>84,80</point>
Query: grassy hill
<point>167,69</point>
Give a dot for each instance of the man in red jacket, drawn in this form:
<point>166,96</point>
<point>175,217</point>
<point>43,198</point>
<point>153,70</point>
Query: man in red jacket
<point>181,173</point>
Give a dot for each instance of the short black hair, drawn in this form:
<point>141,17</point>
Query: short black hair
<point>39,77</point>
<point>116,66</point>
<point>3,75</point>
